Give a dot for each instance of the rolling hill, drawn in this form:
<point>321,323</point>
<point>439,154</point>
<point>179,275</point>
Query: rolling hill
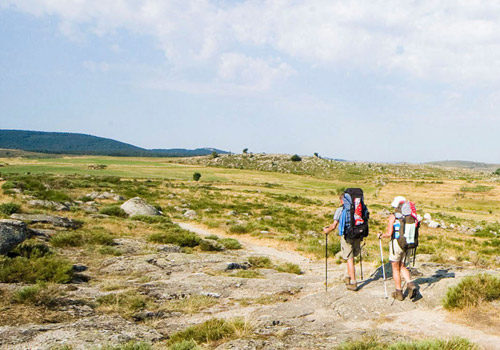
<point>82,144</point>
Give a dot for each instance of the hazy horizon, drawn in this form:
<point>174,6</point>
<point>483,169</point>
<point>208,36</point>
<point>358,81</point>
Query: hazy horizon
<point>379,81</point>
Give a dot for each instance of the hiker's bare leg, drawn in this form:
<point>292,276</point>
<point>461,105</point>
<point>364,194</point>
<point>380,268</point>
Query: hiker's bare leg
<point>396,275</point>
<point>350,269</point>
<point>405,273</point>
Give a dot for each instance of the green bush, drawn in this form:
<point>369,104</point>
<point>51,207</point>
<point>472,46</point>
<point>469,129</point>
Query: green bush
<point>157,219</point>
<point>295,158</point>
<point>497,172</point>
<point>132,345</point>
<point>32,249</point>
<point>9,208</point>
<point>196,176</point>
<point>372,343</point>
<point>175,235</point>
<point>289,268</point>
<point>230,243</point>
<point>238,229</point>
<point>260,262</point>
<point>114,210</point>
<point>107,250</point>
<point>39,294</point>
<point>67,239</point>
<point>26,295</point>
<point>476,189</point>
<point>208,331</point>
<point>184,345</point>
<point>49,268</point>
<point>472,291</point>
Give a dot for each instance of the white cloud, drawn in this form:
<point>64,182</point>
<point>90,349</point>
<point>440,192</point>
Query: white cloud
<point>448,41</point>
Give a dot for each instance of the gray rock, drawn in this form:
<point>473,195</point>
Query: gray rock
<point>48,219</point>
<point>79,268</point>
<point>169,248</point>
<point>138,206</point>
<point>210,294</point>
<point>49,204</point>
<point>267,218</point>
<point>427,217</point>
<point>209,245</point>
<point>89,208</point>
<point>12,233</point>
<point>237,266</point>
<point>43,233</point>
<point>190,214</point>
<point>105,195</point>
<point>433,224</point>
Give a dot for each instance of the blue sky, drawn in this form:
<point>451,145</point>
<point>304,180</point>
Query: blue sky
<point>361,80</point>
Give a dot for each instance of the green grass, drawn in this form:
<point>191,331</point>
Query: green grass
<point>173,234</point>
<point>472,291</point>
<point>289,268</point>
<point>124,303</point>
<point>113,210</point>
<point>230,243</point>
<point>39,294</point>
<point>372,343</point>
<point>80,238</point>
<point>132,345</point>
<point>248,274</point>
<point>476,189</point>
<point>210,331</point>
<point>260,262</point>
<point>50,268</point>
<point>9,208</point>
<point>189,305</point>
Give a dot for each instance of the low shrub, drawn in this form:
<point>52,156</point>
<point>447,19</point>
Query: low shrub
<point>196,176</point>
<point>32,249</point>
<point>260,262</point>
<point>372,343</point>
<point>295,158</point>
<point>132,345</point>
<point>247,274</point>
<point>39,294</point>
<point>239,229</point>
<point>289,268</point>
<point>472,291</point>
<point>189,305</point>
<point>125,303</point>
<point>209,331</point>
<point>49,268</point>
<point>77,238</point>
<point>176,235</point>
<point>157,219</point>
<point>230,243</point>
<point>107,250</point>
<point>113,210</point>
<point>9,208</point>
<point>209,245</point>
<point>184,345</point>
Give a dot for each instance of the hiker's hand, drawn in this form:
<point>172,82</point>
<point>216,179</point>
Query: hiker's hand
<point>379,235</point>
<point>326,230</point>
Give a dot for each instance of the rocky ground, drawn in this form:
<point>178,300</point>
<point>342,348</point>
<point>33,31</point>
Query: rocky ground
<point>285,310</point>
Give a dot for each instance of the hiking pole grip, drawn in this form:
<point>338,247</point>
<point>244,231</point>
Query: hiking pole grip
<point>383,267</point>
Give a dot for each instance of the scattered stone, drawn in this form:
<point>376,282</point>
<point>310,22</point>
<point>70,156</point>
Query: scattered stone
<point>427,217</point>
<point>43,233</point>
<point>237,266</point>
<point>267,218</point>
<point>138,206</point>
<point>169,248</point>
<point>264,232</point>
<point>211,295</point>
<point>145,315</point>
<point>12,233</point>
<point>88,208</point>
<point>48,219</point>
<point>49,204</point>
<point>384,212</point>
<point>105,195</point>
<point>79,268</point>
<point>232,213</point>
<point>190,214</point>
<point>433,224</point>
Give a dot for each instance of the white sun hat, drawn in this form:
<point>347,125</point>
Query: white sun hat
<point>397,200</point>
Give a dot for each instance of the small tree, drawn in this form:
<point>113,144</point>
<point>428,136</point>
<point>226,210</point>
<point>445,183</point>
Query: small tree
<point>295,158</point>
<point>214,154</point>
<point>245,150</point>
<point>316,154</point>
<point>497,172</point>
<point>196,176</point>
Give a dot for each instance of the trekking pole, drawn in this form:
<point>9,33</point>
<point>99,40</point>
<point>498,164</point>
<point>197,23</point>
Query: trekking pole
<point>383,267</point>
<point>361,261</point>
<point>326,262</point>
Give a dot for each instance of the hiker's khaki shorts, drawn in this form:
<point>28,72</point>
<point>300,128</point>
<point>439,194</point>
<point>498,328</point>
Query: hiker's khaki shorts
<point>350,249</point>
<point>396,254</point>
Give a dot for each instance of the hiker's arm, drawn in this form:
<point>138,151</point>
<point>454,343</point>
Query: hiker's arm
<point>330,228</point>
<point>390,227</point>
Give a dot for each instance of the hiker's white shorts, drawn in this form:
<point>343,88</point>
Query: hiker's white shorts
<point>396,253</point>
<point>350,249</point>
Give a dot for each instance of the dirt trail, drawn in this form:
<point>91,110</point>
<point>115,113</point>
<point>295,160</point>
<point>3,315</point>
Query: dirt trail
<point>366,310</point>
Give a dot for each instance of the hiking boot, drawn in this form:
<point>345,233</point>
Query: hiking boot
<point>347,280</point>
<point>352,286</point>
<point>412,290</point>
<point>398,295</point>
